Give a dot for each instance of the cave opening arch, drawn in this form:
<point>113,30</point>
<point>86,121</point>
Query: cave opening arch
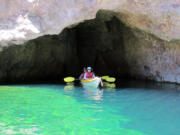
<point>101,44</point>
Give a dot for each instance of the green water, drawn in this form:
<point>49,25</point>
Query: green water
<point>58,110</point>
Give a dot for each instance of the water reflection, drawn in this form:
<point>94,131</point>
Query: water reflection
<point>94,94</point>
<point>109,86</point>
<point>69,87</point>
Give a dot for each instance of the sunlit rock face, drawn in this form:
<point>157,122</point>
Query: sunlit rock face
<point>22,20</point>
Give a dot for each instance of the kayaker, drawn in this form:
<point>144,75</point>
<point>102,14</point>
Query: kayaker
<point>82,75</point>
<point>89,74</point>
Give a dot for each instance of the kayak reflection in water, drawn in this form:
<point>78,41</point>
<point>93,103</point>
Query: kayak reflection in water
<point>88,74</point>
<point>95,94</point>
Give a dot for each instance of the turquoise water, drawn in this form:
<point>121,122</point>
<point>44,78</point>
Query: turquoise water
<point>64,110</point>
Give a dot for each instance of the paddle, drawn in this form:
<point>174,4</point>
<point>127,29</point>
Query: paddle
<point>69,79</point>
<point>110,79</point>
<point>106,78</point>
<point>101,82</point>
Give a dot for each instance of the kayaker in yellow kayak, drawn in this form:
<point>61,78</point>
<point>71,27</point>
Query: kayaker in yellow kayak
<point>90,80</point>
<point>89,74</point>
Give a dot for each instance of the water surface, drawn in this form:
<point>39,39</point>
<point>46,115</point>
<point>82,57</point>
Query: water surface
<point>131,109</point>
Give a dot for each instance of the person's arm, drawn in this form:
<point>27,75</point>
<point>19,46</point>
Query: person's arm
<point>85,76</point>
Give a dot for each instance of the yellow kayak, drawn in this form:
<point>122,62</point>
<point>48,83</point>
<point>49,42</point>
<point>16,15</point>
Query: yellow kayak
<point>91,83</point>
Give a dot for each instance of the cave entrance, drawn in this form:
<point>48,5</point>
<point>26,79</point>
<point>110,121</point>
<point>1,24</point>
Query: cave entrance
<point>104,43</point>
<point>100,44</point>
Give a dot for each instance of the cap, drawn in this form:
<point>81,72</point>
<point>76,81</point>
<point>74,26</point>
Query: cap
<point>89,68</point>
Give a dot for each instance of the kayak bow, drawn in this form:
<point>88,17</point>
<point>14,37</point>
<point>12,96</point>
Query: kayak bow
<point>91,83</point>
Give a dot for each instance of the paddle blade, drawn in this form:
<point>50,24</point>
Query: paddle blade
<point>69,79</point>
<point>109,85</point>
<point>111,79</point>
<point>104,77</point>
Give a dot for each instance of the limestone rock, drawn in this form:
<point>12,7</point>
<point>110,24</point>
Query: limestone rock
<point>22,20</point>
<point>135,38</point>
<point>122,51</point>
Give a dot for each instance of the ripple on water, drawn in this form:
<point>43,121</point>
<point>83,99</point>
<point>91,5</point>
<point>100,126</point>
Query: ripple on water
<point>62,110</point>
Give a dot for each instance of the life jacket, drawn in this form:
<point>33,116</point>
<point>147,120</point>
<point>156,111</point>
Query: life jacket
<point>89,75</point>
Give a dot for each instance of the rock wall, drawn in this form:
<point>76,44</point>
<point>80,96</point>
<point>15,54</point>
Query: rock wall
<point>46,58</point>
<point>106,43</point>
<point>23,20</point>
<point>119,50</point>
<point>128,38</point>
<point>152,58</point>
